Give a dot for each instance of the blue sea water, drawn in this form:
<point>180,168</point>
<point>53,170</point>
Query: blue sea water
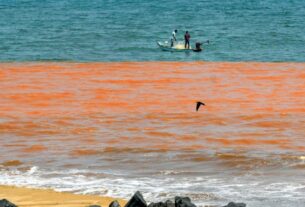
<point>127,30</point>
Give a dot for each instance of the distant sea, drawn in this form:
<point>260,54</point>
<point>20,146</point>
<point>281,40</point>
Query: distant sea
<point>100,30</point>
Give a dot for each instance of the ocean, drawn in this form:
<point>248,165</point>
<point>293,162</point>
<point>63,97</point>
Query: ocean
<point>108,129</point>
<point>104,30</point>
<point>89,104</point>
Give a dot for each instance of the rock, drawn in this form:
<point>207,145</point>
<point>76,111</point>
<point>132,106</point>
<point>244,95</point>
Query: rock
<point>159,204</point>
<point>232,204</point>
<point>94,206</point>
<point>137,200</point>
<point>114,204</point>
<point>183,202</point>
<point>169,203</point>
<point>6,203</point>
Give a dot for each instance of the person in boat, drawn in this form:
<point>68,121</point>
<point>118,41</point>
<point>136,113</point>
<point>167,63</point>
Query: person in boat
<point>187,38</point>
<point>173,37</point>
<point>198,47</point>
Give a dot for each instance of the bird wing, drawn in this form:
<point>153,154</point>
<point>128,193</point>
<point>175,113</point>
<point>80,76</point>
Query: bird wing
<point>198,105</point>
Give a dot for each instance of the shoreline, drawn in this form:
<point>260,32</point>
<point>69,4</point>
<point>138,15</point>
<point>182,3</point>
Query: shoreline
<point>27,197</point>
<point>147,61</point>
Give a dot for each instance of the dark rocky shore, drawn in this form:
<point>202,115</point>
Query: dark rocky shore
<point>137,200</point>
<point>6,203</point>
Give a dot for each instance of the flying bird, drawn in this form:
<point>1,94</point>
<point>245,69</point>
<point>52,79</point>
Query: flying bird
<point>199,104</point>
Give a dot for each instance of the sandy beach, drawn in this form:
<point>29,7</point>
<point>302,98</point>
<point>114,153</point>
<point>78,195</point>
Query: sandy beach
<point>26,197</point>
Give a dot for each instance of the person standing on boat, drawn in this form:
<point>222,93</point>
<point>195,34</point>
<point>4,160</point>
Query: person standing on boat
<point>187,38</point>
<point>173,38</point>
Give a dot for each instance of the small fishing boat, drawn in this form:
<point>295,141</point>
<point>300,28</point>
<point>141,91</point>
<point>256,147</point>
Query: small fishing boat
<point>178,47</point>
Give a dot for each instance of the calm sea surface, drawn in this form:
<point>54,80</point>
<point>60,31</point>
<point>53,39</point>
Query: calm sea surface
<point>114,128</point>
<point>89,104</point>
<point>121,30</point>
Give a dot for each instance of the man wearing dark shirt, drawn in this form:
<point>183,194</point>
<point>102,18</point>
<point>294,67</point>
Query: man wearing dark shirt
<point>187,38</point>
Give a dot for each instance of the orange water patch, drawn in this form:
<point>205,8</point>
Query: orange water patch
<point>89,140</point>
<point>299,166</point>
<point>83,130</point>
<point>160,134</point>
<point>83,99</point>
<point>133,129</point>
<point>7,126</point>
<point>28,87</point>
<point>246,142</point>
<point>292,147</point>
<point>2,75</point>
<point>200,159</point>
<point>253,117</point>
<point>187,138</point>
<point>35,148</point>
<point>193,157</point>
<point>268,124</point>
<point>229,156</point>
<point>300,148</point>
<point>15,145</point>
<point>84,152</point>
<point>111,142</point>
<point>155,148</point>
<point>28,128</point>
<point>156,87</point>
<point>38,97</point>
<point>12,163</point>
<point>193,147</point>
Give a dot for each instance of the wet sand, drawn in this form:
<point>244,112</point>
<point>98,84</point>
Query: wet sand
<point>28,197</point>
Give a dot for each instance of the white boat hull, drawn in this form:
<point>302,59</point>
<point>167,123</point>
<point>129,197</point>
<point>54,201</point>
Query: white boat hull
<point>179,47</point>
